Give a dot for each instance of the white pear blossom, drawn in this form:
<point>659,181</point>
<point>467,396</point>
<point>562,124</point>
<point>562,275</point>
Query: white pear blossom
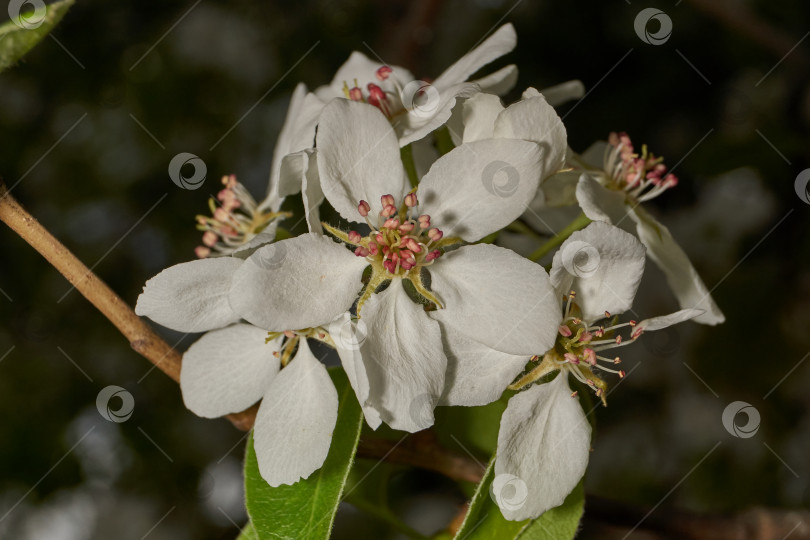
<point>544,437</point>
<point>477,296</point>
<point>610,181</point>
<point>530,119</point>
<point>416,109</point>
<point>234,365</point>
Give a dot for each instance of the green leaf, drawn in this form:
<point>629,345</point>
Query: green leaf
<point>248,533</point>
<point>485,522</point>
<point>306,509</point>
<point>21,33</point>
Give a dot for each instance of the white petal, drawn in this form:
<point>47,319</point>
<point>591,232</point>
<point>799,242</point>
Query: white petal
<point>294,425</point>
<point>500,82</point>
<point>480,187</point>
<point>348,335</point>
<point>476,374</point>
<point>358,158</point>
<point>403,358</point>
<point>682,277</point>
<point>497,298</point>
<point>191,296</point>
<point>421,120</point>
<point>498,44</point>
<point>665,321</point>
<point>594,157</point>
<point>543,447</point>
<point>533,119</point>
<point>228,370</point>
<point>302,282</point>
<point>602,204</point>
<point>564,92</point>
<point>480,113</point>
<point>267,236</point>
<point>283,146</point>
<point>303,166</point>
<point>299,134</point>
<point>604,265</point>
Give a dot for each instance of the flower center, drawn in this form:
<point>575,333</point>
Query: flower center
<point>578,347</point>
<point>291,338</point>
<point>642,177</point>
<point>389,103</point>
<point>401,240</point>
<point>236,220</point>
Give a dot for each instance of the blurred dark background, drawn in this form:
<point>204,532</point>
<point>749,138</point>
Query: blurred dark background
<point>91,118</point>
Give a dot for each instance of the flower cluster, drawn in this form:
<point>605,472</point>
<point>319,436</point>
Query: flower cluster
<point>410,287</point>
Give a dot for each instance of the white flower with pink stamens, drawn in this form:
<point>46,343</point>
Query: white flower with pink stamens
<point>544,437</point>
<point>617,180</point>
<point>234,365</point>
<point>237,221</point>
<point>417,109</point>
<point>423,304</point>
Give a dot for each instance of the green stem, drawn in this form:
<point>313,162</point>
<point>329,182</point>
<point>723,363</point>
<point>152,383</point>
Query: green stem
<point>490,238</point>
<point>520,227</point>
<point>385,515</point>
<point>580,222</point>
<point>406,153</point>
<point>444,142</point>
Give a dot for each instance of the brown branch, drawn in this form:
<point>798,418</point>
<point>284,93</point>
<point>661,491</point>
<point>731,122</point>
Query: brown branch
<point>603,518</point>
<point>141,337</point>
<point>610,519</point>
<point>420,450</point>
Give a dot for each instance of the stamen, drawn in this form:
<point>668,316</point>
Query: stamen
<point>383,73</point>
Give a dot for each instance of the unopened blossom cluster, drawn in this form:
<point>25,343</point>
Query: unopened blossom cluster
<point>410,287</point>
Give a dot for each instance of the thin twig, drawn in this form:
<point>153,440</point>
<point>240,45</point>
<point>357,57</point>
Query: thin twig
<point>141,337</point>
